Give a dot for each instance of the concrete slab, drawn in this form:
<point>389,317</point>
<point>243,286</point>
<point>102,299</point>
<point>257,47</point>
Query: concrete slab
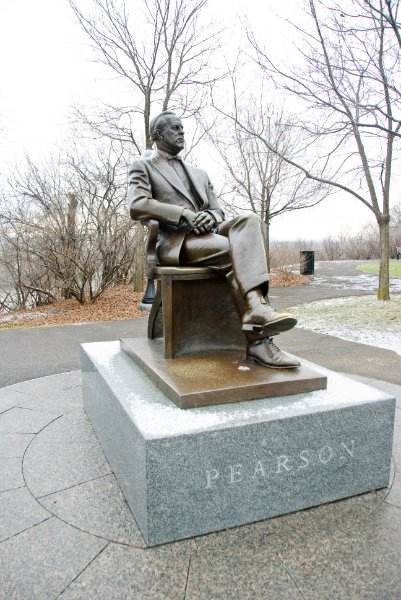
<point>58,403</point>
<point>127,573</point>
<point>394,496</point>
<point>325,566</point>
<point>13,445</point>
<point>64,455</point>
<point>9,398</point>
<point>23,420</point>
<point>185,473</point>
<point>42,561</point>
<point>10,474</point>
<point>49,386</point>
<point>237,574</point>
<point>98,507</point>
<point>19,511</point>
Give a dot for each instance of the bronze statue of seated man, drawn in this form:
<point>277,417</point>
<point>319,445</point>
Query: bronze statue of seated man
<point>194,232</point>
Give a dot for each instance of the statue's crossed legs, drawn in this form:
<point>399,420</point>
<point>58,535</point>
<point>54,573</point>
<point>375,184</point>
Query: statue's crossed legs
<point>238,251</point>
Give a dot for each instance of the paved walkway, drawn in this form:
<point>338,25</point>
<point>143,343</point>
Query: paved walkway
<point>31,353</point>
<point>66,531</point>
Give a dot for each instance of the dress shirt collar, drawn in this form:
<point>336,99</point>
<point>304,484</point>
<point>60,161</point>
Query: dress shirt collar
<point>168,156</point>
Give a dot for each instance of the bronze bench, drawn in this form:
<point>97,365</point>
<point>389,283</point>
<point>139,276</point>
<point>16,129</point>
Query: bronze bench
<point>193,309</point>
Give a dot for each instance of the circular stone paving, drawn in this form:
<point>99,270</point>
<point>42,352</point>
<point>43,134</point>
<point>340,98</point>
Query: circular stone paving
<point>71,534</point>
<point>66,471</point>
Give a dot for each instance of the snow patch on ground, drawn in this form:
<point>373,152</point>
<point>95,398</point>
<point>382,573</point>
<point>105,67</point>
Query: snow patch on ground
<point>357,319</point>
<point>364,282</point>
<point>25,315</point>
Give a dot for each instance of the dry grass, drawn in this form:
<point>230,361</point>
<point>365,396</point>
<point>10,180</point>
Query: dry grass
<point>116,304</point>
<point>281,278</point>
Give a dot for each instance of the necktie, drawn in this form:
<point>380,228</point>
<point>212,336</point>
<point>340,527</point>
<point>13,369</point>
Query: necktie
<point>182,172</point>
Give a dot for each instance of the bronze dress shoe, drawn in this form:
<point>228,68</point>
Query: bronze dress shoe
<point>264,319</point>
<point>265,352</point>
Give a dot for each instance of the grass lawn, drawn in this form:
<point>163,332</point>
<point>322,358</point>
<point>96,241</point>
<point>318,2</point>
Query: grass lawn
<point>362,319</point>
<point>373,267</point>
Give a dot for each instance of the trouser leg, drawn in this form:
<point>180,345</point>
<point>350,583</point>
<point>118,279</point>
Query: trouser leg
<point>239,251</point>
<point>213,250</point>
<point>240,244</point>
<point>248,252</point>
<point>208,250</point>
<point>241,307</point>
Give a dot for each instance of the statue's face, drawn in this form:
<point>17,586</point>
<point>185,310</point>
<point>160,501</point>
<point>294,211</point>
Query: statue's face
<point>171,134</point>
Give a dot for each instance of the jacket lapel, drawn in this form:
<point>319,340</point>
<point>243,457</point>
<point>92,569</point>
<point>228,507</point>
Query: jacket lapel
<point>161,165</point>
<point>198,188</point>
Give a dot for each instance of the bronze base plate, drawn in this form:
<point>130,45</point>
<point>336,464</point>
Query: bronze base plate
<point>210,378</point>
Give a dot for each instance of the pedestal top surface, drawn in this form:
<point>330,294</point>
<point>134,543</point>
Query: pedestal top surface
<point>157,417</point>
<point>217,377</point>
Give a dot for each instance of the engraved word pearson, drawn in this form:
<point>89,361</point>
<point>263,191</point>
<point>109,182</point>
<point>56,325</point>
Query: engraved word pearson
<point>283,464</point>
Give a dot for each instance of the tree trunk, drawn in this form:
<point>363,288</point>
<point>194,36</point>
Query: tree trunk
<point>146,119</point>
<point>383,293</point>
<point>139,266</point>
<point>70,245</point>
<point>267,225</point>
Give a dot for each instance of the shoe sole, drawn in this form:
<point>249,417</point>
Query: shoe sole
<point>259,362</point>
<point>272,328</point>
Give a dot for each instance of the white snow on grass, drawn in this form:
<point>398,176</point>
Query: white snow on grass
<point>364,282</point>
<point>25,315</point>
<point>360,319</point>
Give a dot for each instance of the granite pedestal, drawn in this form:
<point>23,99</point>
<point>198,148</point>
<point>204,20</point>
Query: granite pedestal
<point>190,472</point>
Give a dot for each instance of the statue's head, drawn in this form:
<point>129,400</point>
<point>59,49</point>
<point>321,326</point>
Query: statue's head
<point>167,132</point>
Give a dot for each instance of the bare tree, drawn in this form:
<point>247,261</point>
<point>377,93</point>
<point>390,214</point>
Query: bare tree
<point>347,79</point>
<point>395,229</point>
<point>388,12</point>
<point>24,282</point>
<point>333,248</point>
<point>162,52</point>
<point>257,175</point>
<point>65,227</point>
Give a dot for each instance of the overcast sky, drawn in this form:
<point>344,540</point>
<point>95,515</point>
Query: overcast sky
<point>46,66</point>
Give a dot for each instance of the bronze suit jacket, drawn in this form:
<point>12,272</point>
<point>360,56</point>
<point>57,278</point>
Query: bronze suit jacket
<point>155,191</point>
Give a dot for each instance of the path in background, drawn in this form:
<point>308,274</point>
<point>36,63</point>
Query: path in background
<point>39,351</point>
<point>36,352</point>
<point>332,279</point>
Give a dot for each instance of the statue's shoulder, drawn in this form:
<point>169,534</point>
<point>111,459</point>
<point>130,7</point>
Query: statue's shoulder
<point>148,155</point>
<point>144,161</point>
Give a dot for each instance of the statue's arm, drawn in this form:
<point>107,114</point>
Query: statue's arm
<point>214,207</point>
<point>141,205</point>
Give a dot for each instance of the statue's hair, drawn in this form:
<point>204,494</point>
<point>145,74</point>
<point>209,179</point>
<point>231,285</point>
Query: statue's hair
<point>158,122</point>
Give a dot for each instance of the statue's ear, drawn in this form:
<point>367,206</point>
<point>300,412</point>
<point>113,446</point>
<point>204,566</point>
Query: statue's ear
<point>157,135</point>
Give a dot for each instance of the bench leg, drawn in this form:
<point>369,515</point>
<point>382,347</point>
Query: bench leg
<point>154,313</point>
<point>168,316</point>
